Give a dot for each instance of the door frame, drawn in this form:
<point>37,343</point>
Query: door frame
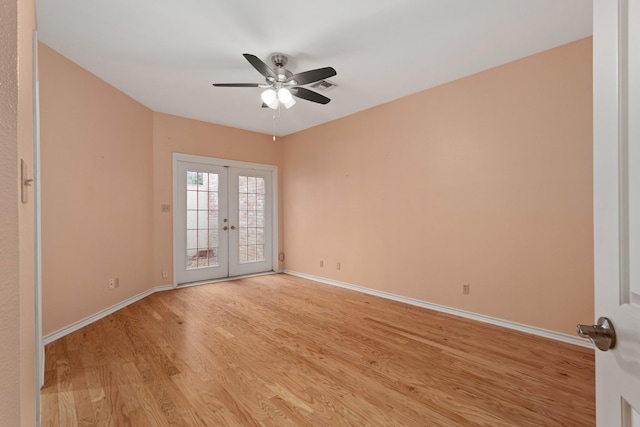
<point>183,276</point>
<point>236,268</point>
<point>182,157</point>
<point>37,198</point>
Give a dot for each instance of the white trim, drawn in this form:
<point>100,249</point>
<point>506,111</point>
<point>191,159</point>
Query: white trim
<point>225,279</point>
<point>569,339</point>
<point>275,246</point>
<point>175,221</point>
<point>107,311</point>
<point>49,338</point>
<point>37,203</point>
<point>191,158</point>
<point>430,306</point>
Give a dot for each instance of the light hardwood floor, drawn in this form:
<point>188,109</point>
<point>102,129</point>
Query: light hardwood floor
<point>283,351</point>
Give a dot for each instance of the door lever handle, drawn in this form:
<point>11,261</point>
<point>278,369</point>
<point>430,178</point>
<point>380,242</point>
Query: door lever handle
<point>602,334</point>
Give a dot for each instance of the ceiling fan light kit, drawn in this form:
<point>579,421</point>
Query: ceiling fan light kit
<point>272,98</point>
<point>282,85</point>
<point>284,95</point>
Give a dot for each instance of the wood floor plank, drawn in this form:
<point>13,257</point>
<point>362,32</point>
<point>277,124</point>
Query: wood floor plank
<point>279,350</point>
<point>66,408</point>
<point>146,401</point>
<point>49,407</point>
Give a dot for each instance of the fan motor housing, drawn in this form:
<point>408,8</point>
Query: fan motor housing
<point>279,60</point>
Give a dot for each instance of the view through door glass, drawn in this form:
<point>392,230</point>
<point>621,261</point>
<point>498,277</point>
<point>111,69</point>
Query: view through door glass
<point>203,213</point>
<point>251,200</point>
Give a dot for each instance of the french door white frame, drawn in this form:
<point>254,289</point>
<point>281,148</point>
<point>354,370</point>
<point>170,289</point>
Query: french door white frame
<point>177,181</point>
<point>220,269</point>
<point>237,268</point>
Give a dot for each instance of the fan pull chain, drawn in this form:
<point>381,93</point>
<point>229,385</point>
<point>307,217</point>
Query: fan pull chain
<point>274,125</point>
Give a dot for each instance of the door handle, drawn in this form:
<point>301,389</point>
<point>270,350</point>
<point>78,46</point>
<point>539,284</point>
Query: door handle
<point>225,228</point>
<point>601,334</point>
<point>233,227</point>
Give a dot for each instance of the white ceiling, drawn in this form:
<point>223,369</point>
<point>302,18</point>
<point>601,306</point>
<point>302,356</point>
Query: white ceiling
<point>166,53</point>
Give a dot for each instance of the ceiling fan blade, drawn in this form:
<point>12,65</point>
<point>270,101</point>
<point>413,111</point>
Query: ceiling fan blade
<point>311,76</point>
<point>237,84</point>
<point>262,68</point>
<point>309,95</point>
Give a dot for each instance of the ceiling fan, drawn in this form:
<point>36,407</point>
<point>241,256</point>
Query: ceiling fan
<point>282,85</point>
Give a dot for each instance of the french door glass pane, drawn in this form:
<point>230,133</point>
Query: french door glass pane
<point>202,220</point>
<point>251,198</point>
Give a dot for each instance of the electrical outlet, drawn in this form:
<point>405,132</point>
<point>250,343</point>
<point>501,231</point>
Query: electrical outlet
<point>165,274</point>
<point>114,283</point>
<point>465,288</point>
<point>281,256</point>
<point>321,263</point>
<point>338,266</point>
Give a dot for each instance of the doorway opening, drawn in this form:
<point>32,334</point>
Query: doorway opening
<point>225,219</point>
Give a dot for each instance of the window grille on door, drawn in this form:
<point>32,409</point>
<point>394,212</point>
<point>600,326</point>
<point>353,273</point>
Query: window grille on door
<point>251,226</point>
<point>203,243</point>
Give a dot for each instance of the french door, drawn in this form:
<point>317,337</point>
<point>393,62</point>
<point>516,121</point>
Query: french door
<point>223,219</point>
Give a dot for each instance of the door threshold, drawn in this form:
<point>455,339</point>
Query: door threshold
<point>224,279</point>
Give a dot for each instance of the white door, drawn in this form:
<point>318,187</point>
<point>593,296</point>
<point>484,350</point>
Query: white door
<point>202,222</point>
<point>250,237</point>
<point>617,207</point>
<point>224,219</point>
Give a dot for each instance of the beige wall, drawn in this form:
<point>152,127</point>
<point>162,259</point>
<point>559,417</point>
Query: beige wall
<point>26,212</point>
<point>107,169</point>
<point>17,354</point>
<point>173,134</point>
<point>486,180</point>
<point>9,221</point>
<point>97,172</point>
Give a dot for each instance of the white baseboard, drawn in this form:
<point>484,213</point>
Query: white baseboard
<point>99,315</point>
<point>456,312</point>
<point>107,311</point>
